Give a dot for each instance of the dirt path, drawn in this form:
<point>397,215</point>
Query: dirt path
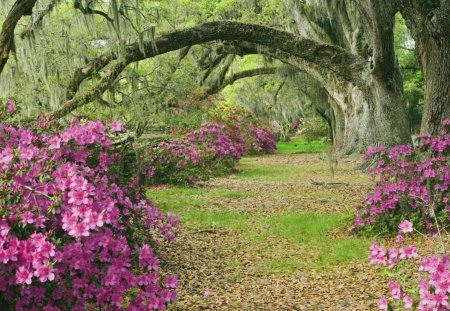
<point>258,241</point>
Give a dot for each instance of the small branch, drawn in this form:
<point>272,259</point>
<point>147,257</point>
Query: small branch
<point>206,231</point>
<point>277,92</point>
<point>240,75</point>
<point>406,48</point>
<point>320,183</point>
<point>36,191</point>
<point>88,11</point>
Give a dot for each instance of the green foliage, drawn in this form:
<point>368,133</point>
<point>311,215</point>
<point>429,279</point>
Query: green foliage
<point>300,145</point>
<point>314,231</point>
<point>412,75</point>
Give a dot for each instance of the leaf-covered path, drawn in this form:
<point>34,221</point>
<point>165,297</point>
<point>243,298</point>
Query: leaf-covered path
<point>268,238</point>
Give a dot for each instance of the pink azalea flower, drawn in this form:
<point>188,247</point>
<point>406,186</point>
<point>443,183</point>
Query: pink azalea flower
<point>395,290</point>
<point>405,226</point>
<point>383,303</point>
<point>54,143</point>
<point>78,197</point>
<point>10,107</point>
<point>408,252</point>
<point>407,302</point>
<point>399,239</point>
<point>206,293</point>
<point>171,281</point>
<point>27,218</point>
<point>23,275</point>
<point>116,126</point>
<point>44,273</point>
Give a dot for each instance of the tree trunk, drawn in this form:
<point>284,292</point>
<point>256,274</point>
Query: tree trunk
<point>376,116</point>
<point>429,23</point>
<point>19,9</point>
<point>436,70</point>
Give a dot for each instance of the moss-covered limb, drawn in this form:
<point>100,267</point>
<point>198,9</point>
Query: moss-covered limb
<point>217,87</point>
<point>20,8</point>
<point>93,92</point>
<point>324,56</point>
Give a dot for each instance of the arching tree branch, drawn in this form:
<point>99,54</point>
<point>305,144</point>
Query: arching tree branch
<point>325,56</point>
<point>215,88</point>
<point>19,9</point>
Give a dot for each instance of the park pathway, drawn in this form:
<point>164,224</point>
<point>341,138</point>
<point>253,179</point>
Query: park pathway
<point>272,237</point>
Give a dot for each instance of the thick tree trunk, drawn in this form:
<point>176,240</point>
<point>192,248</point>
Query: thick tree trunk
<point>435,60</point>
<point>376,116</point>
<point>429,23</point>
<point>19,9</point>
<point>338,124</point>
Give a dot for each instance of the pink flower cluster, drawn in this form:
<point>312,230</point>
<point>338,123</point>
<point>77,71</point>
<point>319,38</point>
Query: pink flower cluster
<point>409,182</point>
<point>197,156</point>
<point>68,233</point>
<point>433,289</point>
<point>225,141</point>
<point>263,140</point>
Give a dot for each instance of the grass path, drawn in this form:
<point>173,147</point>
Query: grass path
<point>267,238</point>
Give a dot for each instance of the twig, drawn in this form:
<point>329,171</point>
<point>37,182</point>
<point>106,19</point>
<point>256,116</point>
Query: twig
<point>206,231</point>
<point>320,183</point>
<point>36,191</point>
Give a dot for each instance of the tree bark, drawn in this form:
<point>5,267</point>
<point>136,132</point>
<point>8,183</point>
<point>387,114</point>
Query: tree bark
<point>429,23</point>
<point>323,55</point>
<point>217,87</point>
<point>19,9</point>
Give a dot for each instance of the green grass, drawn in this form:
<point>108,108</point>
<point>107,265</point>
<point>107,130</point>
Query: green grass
<point>205,220</point>
<point>248,170</point>
<point>191,204</point>
<point>300,145</point>
<point>314,240</point>
<point>313,231</point>
<point>177,199</point>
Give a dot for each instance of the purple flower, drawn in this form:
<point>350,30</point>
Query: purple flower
<point>116,126</point>
<point>383,303</point>
<point>405,226</point>
<point>399,239</point>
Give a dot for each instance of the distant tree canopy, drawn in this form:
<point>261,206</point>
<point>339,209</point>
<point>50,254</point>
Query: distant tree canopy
<point>352,60</point>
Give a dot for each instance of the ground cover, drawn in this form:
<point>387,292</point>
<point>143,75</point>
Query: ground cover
<point>272,237</point>
<point>300,145</point>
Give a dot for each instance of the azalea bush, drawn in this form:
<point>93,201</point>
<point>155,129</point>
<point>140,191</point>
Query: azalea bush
<point>213,149</point>
<point>431,291</point>
<point>409,184</point>
<point>411,194</point>
<point>226,142</point>
<point>70,237</point>
<point>262,140</point>
<point>175,162</point>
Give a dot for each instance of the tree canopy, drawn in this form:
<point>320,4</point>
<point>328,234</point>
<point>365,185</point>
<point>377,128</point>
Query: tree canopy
<point>354,61</point>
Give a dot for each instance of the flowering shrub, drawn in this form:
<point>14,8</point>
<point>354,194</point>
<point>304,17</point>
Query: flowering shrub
<point>213,149</point>
<point>411,184</point>
<point>433,286</point>
<point>226,141</point>
<point>176,162</point>
<point>263,140</point>
<point>69,235</point>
